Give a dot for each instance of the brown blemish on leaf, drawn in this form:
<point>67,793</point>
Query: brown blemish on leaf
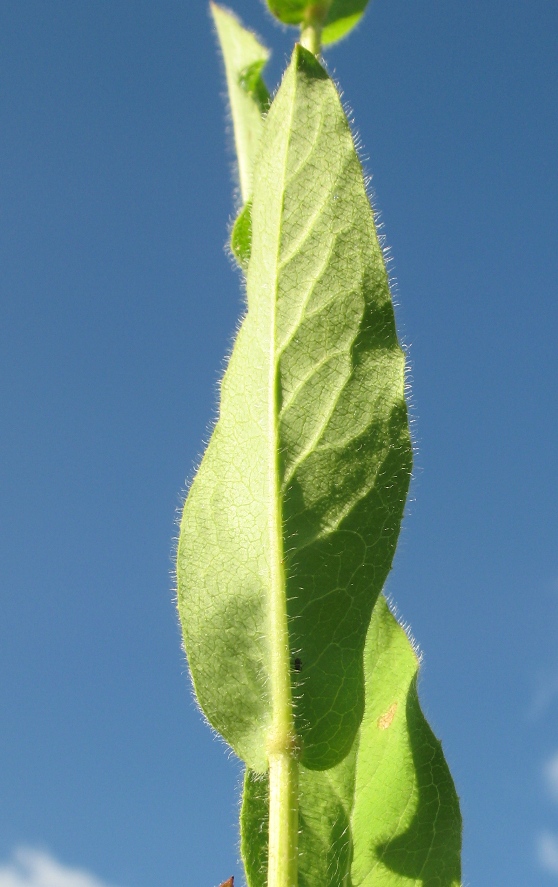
<point>385,720</point>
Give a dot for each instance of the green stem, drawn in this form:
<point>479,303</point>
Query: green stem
<point>283,821</point>
<point>311,32</point>
<point>311,36</point>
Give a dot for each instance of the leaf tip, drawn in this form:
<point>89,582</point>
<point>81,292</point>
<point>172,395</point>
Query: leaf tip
<point>307,63</point>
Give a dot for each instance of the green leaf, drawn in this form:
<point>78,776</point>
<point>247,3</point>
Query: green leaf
<point>241,236</point>
<point>335,17</point>
<point>293,12</point>
<point>343,15</point>
<point>244,58</point>
<point>294,514</point>
<point>253,84</point>
<point>254,828</point>
<point>386,816</point>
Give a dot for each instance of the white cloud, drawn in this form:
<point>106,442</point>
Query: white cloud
<point>547,846</point>
<point>33,868</point>
<point>551,776</point>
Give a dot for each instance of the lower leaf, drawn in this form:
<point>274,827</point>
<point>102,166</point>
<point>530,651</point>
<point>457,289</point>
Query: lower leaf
<point>388,814</point>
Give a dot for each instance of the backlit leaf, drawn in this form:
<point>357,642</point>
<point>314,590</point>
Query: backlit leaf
<point>244,58</point>
<point>343,15</point>
<point>292,12</point>
<point>299,496</point>
<point>386,816</point>
<point>241,236</point>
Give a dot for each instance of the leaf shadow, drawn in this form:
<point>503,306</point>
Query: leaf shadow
<point>428,851</point>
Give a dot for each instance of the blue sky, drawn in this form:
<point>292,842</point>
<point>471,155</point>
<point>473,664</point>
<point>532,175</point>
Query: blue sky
<point>117,306</point>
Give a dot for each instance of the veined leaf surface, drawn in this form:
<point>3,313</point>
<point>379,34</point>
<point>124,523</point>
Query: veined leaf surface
<point>388,814</point>
<point>296,507</point>
<point>244,58</point>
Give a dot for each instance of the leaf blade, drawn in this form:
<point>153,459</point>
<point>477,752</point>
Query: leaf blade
<point>418,832</point>
<point>244,57</point>
<point>254,828</point>
<point>345,445</point>
<point>342,17</point>
<point>290,12</point>
<point>241,236</point>
<point>318,368</point>
<point>386,816</point>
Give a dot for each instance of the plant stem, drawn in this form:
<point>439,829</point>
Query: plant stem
<point>311,33</point>
<point>311,36</point>
<point>283,821</point>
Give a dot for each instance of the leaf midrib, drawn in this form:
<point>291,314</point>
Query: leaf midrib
<point>282,709</point>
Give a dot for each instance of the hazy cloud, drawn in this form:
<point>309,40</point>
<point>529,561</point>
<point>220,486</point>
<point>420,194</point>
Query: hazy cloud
<point>546,693</point>
<point>34,868</point>
<point>551,776</point>
<point>547,847</point>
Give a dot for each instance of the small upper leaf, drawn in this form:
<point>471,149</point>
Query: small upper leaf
<point>244,58</point>
<point>241,236</point>
<point>293,12</point>
<point>335,17</point>
<point>342,16</point>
